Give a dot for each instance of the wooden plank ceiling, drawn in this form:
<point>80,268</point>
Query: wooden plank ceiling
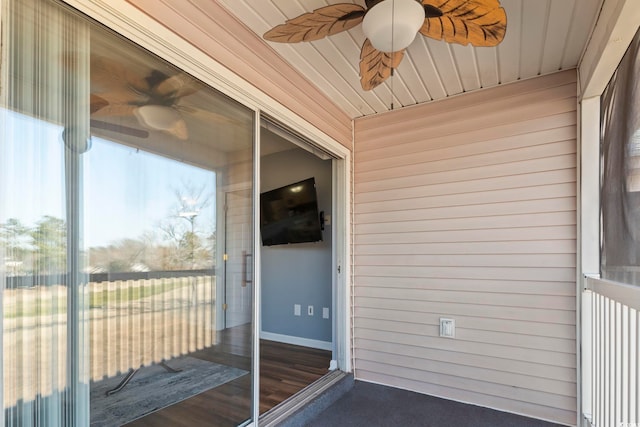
<point>543,36</point>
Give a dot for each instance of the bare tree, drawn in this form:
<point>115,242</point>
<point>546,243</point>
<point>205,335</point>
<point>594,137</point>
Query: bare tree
<point>177,243</point>
<point>181,231</point>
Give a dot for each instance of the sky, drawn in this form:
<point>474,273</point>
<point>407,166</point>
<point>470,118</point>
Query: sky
<point>126,192</point>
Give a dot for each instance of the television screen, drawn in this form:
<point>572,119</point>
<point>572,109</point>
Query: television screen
<point>290,214</point>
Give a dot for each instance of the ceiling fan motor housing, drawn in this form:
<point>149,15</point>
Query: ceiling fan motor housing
<point>159,117</point>
<point>391,25</point>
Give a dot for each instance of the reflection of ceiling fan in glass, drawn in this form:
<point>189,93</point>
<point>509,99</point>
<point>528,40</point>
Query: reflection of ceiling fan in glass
<point>156,100</point>
<point>391,25</point>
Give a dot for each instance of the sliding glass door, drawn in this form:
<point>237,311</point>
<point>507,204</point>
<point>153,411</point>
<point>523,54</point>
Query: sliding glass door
<point>126,228</point>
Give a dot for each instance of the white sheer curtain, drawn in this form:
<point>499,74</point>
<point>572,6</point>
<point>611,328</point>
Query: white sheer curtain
<point>44,97</point>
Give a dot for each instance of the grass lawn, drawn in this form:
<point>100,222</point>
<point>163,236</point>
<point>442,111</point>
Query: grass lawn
<point>42,302</point>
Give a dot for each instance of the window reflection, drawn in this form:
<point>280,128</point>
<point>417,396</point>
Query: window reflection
<point>167,151</point>
<point>151,241</point>
<point>33,246</point>
<point>125,224</point>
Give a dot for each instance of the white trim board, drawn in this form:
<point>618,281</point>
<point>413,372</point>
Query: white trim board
<point>289,339</point>
<point>616,26</point>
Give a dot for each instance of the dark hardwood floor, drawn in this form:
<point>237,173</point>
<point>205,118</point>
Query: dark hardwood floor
<point>284,370</point>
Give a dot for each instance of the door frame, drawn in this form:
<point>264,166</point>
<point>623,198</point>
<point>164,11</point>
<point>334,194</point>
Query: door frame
<point>339,223</point>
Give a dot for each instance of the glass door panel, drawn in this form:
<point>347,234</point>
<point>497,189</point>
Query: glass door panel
<point>43,137</point>
<point>113,164</point>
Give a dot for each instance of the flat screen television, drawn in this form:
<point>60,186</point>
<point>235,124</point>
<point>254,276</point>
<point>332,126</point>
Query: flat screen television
<point>290,214</point>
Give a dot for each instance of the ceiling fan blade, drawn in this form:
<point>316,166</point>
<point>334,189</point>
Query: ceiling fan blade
<point>177,86</point>
<point>179,130</point>
<point>322,22</point>
<point>111,110</point>
<point>431,11</point>
<point>376,66</point>
<point>479,22</point>
<point>125,95</point>
<point>100,107</point>
<point>97,103</point>
<point>112,127</point>
<point>107,75</point>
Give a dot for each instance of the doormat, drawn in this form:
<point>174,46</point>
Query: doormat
<point>153,388</point>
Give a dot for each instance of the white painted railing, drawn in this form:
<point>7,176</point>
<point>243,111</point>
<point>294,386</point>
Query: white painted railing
<point>132,323</point>
<point>136,323</point>
<point>610,356</point>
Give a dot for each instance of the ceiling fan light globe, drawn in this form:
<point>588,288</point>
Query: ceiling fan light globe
<point>391,25</point>
<point>157,117</point>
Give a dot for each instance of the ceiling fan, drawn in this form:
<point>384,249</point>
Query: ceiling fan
<point>391,25</point>
<point>156,99</point>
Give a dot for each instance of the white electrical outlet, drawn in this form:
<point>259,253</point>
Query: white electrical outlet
<point>325,312</point>
<point>310,310</point>
<point>447,328</point>
<point>296,309</point>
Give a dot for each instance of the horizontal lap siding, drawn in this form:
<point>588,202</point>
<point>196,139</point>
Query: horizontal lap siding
<point>466,208</point>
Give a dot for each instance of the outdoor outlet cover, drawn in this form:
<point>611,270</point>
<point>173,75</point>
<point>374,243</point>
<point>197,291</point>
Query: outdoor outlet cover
<point>447,328</point>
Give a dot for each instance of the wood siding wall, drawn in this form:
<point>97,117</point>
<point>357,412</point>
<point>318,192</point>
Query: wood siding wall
<point>466,209</point>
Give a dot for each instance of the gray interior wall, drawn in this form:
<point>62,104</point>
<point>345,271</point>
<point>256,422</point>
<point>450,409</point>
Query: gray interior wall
<point>297,273</point>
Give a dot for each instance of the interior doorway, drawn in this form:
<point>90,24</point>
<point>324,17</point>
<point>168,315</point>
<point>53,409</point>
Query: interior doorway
<point>297,250</point>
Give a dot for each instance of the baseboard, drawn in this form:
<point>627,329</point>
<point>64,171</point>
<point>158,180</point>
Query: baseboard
<point>304,342</point>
